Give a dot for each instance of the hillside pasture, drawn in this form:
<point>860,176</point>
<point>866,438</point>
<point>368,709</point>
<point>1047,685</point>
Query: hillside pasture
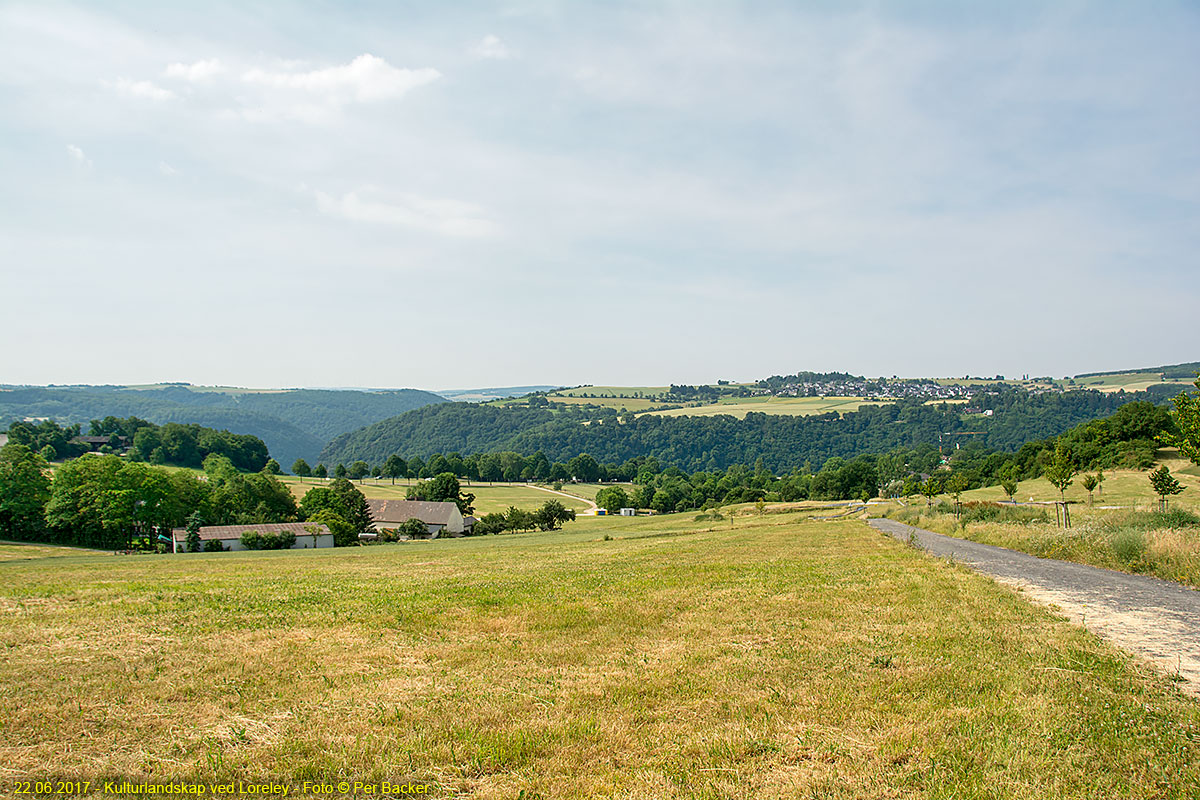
<point>612,391</point>
<point>1126,487</point>
<point>1129,382</point>
<point>784,406</point>
<point>648,657</point>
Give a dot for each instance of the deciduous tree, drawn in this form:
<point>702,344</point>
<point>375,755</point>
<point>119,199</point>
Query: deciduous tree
<point>1164,484</point>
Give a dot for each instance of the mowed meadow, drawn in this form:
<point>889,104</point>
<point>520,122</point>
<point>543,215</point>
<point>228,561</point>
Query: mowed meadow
<point>661,657</point>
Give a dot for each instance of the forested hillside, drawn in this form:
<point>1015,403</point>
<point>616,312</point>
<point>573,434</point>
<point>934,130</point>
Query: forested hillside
<point>707,443</point>
<point>294,424</point>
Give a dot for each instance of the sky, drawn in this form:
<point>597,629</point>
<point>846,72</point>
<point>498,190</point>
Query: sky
<point>449,195</point>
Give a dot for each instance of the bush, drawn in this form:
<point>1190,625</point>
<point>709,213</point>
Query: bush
<point>253,540</point>
<point>994,512</point>
<point>489,523</point>
<point>1129,546</point>
<point>413,529</point>
<point>214,546</point>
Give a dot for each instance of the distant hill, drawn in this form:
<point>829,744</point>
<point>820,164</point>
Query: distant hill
<point>294,423</point>
<point>487,395</point>
<point>717,442</point>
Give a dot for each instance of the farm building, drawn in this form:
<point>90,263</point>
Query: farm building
<point>439,518</point>
<point>308,534</point>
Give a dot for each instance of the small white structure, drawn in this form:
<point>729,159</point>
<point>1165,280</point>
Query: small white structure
<point>628,512</point>
<point>439,518</point>
<point>308,534</point>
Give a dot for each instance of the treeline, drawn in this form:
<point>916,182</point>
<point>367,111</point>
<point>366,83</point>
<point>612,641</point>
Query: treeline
<point>173,443</point>
<point>109,502</point>
<point>696,444</point>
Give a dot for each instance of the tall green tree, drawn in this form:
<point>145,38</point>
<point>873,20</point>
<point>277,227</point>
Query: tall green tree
<point>1186,415</point>
<point>24,491</point>
<point>320,472</point>
<point>552,515</point>
<point>301,469</point>
<point>612,499</point>
<point>394,467</point>
<point>443,488</point>
<point>359,470</point>
<point>341,498</point>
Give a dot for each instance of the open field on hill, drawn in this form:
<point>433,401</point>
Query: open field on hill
<point>782,658</point>
<point>788,406</point>
<point>590,490</point>
<point>1130,382</point>
<point>1126,487</point>
<point>488,498</point>
<point>627,403</point>
<point>612,391</point>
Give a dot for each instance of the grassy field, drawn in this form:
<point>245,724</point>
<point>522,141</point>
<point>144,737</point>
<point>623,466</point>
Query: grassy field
<point>627,403</point>
<point>488,498</point>
<point>612,391</point>
<point>791,406</point>
<point>1120,488</point>
<point>649,657</point>
<point>590,490</point>
<point>1130,382</point>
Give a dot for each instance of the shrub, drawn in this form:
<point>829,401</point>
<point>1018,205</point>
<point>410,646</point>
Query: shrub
<point>413,529</point>
<point>490,523</point>
<point>214,546</point>
<point>1129,546</point>
<point>994,512</point>
<point>253,540</point>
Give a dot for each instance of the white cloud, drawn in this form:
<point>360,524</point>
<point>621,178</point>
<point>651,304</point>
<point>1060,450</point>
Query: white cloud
<point>365,79</point>
<point>446,217</point>
<point>491,46</point>
<point>77,155</point>
<point>195,72</point>
<point>142,89</point>
<point>167,170</point>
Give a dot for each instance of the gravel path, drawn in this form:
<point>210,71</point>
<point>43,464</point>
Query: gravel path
<point>1155,619</point>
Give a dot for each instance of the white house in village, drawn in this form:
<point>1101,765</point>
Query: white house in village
<point>308,534</point>
<point>439,518</point>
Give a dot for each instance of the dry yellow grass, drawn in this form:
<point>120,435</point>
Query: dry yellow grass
<point>648,657</point>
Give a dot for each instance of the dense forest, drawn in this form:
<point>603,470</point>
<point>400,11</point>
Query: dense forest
<point>294,423</point>
<point>174,443</point>
<point>716,443</point>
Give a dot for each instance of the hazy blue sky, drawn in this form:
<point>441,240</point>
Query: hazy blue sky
<point>452,194</point>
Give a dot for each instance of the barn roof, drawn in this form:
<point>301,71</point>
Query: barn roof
<point>208,532</point>
<point>404,510</point>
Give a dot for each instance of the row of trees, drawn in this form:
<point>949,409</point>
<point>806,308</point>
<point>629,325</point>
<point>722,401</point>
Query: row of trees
<point>109,502</point>
<point>549,517</point>
<point>489,467</point>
